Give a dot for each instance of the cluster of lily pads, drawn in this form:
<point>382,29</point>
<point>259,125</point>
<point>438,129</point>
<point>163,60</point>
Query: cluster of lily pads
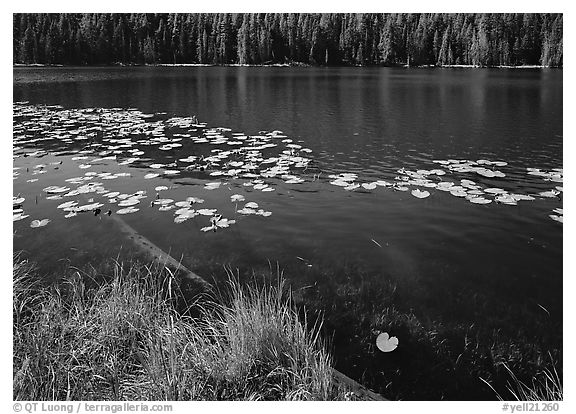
<point>122,136</point>
<point>465,188</point>
<point>97,138</point>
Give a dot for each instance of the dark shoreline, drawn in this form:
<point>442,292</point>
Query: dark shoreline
<point>281,65</point>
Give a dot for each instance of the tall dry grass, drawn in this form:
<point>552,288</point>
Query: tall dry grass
<point>545,386</point>
<point>122,339</point>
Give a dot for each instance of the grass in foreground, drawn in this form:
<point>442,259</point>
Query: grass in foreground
<point>439,358</point>
<point>546,386</point>
<point>122,339</point>
<point>442,355</point>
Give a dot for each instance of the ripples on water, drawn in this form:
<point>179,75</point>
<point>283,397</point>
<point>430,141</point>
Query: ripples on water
<point>384,126</point>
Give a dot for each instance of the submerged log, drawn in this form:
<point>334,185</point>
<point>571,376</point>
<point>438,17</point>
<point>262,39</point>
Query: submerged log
<point>157,254</point>
<point>359,392</point>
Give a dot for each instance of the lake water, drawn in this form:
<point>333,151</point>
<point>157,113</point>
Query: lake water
<point>498,128</point>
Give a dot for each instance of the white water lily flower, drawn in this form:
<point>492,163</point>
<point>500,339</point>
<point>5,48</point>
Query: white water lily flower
<point>236,198</point>
<point>161,188</point>
<point>420,194</point>
<point>151,175</point>
<point>39,223</point>
<point>251,204</point>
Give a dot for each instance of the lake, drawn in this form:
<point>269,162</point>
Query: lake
<point>384,169</point>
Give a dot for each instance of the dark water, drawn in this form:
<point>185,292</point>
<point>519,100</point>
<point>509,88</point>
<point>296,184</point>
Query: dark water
<point>368,121</point>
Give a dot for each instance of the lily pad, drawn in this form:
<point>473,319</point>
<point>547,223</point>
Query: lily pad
<point>39,223</point>
<point>369,186</point>
<point>420,194</point>
<point>559,219</point>
<point>480,200</point>
<point>385,343</point>
<point>127,210</point>
<point>207,211</point>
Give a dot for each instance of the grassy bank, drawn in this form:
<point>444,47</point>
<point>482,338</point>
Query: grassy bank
<point>118,336</point>
<point>137,333</point>
<point>441,357</point>
<point>456,343</point>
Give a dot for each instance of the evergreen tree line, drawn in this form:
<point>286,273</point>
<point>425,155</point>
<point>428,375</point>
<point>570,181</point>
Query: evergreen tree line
<point>265,38</point>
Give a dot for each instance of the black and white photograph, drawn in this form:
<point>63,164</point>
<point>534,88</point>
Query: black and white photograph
<point>287,206</point>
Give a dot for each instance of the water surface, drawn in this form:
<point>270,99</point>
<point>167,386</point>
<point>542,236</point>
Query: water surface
<point>371,122</point>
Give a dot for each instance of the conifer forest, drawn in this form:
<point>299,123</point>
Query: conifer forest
<point>330,39</point>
